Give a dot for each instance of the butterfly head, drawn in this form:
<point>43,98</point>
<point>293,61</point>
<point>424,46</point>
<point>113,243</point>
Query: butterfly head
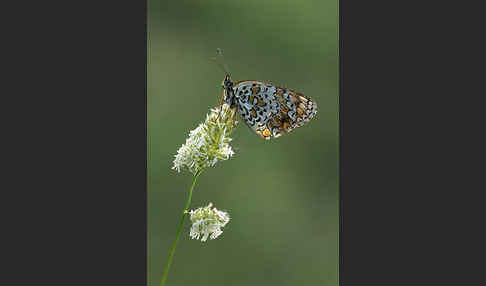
<point>227,83</point>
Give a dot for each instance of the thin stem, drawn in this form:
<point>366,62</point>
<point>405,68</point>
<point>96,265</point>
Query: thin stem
<point>171,255</point>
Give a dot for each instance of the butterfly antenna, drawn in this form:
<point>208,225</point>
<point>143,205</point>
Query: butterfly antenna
<point>219,60</point>
<point>225,65</point>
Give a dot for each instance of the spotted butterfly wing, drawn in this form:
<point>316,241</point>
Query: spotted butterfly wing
<point>269,110</point>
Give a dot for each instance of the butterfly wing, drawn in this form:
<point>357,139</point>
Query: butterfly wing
<point>271,111</point>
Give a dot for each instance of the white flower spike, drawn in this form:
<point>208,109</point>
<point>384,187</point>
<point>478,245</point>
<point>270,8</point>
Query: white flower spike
<point>207,222</point>
<point>208,143</point>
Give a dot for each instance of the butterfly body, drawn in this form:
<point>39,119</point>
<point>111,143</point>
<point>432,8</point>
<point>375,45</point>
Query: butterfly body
<point>269,110</point>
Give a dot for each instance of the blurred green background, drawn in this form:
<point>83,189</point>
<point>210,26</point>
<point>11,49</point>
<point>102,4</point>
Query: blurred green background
<point>282,195</point>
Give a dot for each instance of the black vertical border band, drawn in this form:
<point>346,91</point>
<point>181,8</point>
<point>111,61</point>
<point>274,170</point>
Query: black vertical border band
<point>82,149</point>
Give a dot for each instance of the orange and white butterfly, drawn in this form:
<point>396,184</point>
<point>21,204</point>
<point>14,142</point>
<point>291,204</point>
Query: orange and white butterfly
<point>269,110</point>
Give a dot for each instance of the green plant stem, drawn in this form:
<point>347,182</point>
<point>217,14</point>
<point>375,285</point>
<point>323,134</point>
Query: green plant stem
<point>179,230</point>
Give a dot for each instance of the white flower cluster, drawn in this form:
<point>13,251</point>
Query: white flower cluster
<point>208,143</point>
<point>207,222</point>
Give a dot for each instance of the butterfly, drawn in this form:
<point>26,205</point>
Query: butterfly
<point>269,110</point>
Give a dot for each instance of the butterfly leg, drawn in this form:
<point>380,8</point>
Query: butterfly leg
<point>220,105</point>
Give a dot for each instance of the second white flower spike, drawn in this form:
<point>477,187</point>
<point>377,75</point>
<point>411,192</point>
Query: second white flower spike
<point>207,222</point>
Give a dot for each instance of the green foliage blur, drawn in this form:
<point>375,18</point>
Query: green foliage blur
<point>282,194</point>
